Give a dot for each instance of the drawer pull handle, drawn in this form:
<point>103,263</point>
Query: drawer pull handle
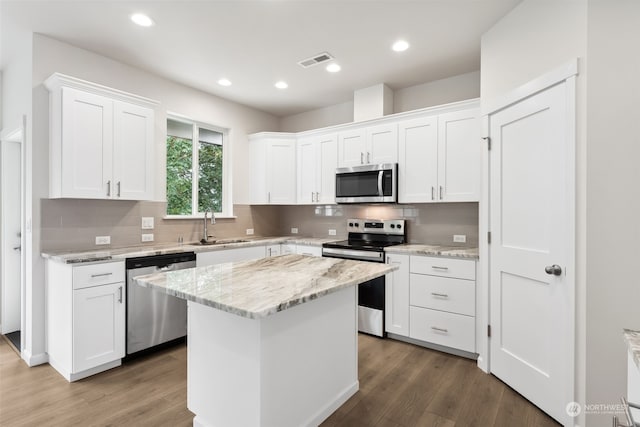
<point>440,330</point>
<point>101,275</point>
<point>435,294</point>
<point>436,267</point>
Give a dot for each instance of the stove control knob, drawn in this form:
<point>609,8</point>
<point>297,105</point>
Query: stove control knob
<point>393,226</point>
<point>350,224</point>
<point>356,224</point>
<point>399,226</point>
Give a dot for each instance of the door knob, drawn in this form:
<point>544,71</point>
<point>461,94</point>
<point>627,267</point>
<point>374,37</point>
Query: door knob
<point>554,269</point>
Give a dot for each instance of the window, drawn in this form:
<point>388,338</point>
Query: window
<point>195,172</point>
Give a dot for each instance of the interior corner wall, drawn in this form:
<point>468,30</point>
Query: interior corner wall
<point>613,208</point>
<point>443,91</point>
<point>538,36</point>
<point>49,56</point>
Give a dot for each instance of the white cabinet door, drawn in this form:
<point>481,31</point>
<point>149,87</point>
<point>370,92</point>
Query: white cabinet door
<point>87,134</point>
<point>281,171</point>
<point>326,171</point>
<point>351,148</point>
<point>382,144</point>
<point>258,171</point>
<point>459,156</point>
<point>308,250</point>
<point>307,170</point>
<point>397,296</point>
<point>287,248</point>
<point>98,325</point>
<point>273,250</point>
<point>418,160</point>
<point>133,152</point>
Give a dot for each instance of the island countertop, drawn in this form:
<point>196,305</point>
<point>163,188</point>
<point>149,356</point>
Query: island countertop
<point>262,287</point>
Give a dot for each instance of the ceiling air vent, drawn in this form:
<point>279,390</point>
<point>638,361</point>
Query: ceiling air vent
<point>315,60</point>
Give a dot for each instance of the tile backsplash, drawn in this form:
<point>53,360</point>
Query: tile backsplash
<point>73,224</point>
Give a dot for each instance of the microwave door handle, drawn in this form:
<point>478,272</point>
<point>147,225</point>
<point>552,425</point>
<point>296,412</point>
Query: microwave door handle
<point>380,176</point>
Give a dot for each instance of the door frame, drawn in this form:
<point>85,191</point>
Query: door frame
<point>566,74</point>
<point>18,135</point>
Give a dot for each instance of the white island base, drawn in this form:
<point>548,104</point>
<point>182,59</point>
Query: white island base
<point>291,368</point>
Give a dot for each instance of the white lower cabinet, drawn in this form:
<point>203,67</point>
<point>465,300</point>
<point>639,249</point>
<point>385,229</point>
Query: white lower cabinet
<point>397,296</point>
<point>287,248</point>
<point>273,250</point>
<point>85,317</point>
<point>442,301</point>
<point>229,255</point>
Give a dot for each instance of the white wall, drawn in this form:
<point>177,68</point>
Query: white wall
<point>536,37</point>
<point>50,56</point>
<point>444,91</point>
<point>613,211</point>
<point>319,118</point>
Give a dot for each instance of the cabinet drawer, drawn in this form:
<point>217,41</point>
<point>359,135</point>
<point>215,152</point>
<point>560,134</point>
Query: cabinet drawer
<point>443,293</point>
<point>85,276</point>
<point>439,327</point>
<point>445,267</point>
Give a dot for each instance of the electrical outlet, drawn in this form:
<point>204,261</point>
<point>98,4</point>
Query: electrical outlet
<point>332,232</point>
<point>103,240</point>
<point>147,237</point>
<point>294,230</point>
<point>147,223</point>
<point>249,231</point>
<point>460,238</point>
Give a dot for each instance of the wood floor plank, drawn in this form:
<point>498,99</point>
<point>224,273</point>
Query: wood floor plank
<point>401,385</point>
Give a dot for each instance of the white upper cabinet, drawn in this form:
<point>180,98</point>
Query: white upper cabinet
<point>317,163</point>
<point>439,158</point>
<point>273,169</point>
<point>102,142</point>
<point>459,156</point>
<point>418,160</point>
<point>371,145</point>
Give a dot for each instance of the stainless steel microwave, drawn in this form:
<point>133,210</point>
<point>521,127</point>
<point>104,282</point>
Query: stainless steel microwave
<point>367,184</point>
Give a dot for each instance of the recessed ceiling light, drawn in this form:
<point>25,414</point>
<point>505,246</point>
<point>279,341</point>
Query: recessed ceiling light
<point>142,19</point>
<point>281,85</point>
<point>224,82</point>
<point>400,46</point>
<point>333,68</point>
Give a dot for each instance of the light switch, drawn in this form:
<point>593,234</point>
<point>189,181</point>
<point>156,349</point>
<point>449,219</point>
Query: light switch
<point>147,223</point>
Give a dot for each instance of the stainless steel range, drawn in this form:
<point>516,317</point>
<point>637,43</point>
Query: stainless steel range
<point>366,242</point>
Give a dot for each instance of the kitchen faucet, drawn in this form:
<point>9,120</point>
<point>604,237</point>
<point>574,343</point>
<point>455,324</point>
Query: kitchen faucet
<point>205,235</point>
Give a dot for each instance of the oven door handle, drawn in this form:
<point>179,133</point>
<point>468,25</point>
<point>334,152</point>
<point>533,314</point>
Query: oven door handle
<point>380,176</point>
<point>353,254</point>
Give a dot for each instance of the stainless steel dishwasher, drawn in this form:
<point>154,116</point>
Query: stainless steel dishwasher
<point>154,318</point>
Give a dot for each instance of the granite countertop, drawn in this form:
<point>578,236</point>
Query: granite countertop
<point>633,341</point>
<point>103,255</point>
<point>443,251</point>
<point>259,288</point>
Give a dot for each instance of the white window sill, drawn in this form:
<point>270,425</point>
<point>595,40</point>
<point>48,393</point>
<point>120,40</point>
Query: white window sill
<point>199,216</point>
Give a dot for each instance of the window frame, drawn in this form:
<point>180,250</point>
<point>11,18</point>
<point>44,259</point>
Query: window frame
<point>227,201</point>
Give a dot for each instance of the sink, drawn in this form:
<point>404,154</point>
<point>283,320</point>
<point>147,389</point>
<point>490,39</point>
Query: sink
<point>220,242</point>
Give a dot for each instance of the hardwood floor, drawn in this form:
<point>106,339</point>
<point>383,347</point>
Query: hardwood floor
<point>400,385</point>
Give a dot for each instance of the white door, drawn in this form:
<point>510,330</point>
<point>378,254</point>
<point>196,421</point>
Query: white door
<point>11,281</point>
<point>532,309</point>
<point>98,325</point>
<point>351,148</point>
<point>133,154</point>
<point>326,177</point>
<point>418,160</point>
<point>281,172</point>
<point>87,145</point>
<point>382,144</point>
<point>307,165</point>
<point>459,156</point>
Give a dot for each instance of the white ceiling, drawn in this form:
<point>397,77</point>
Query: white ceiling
<point>254,43</point>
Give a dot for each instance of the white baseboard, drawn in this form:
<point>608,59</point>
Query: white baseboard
<point>34,359</point>
<point>329,409</point>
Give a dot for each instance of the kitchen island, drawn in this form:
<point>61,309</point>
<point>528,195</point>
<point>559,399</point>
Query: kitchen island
<point>270,342</point>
